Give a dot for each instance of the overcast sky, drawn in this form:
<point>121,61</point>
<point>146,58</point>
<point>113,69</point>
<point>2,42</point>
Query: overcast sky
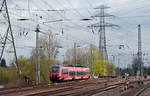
<point>128,14</point>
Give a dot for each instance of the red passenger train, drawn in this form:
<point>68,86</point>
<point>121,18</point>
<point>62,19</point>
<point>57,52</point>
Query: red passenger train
<point>60,72</point>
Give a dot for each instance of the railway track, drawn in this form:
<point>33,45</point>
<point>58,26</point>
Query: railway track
<point>144,91</point>
<point>81,90</point>
<point>24,90</point>
<point>20,89</point>
<point>91,90</point>
<point>11,90</point>
<point>78,88</point>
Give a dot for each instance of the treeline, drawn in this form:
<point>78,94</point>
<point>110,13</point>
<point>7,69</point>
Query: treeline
<point>84,57</point>
<point>133,69</point>
<point>8,75</point>
<point>47,53</point>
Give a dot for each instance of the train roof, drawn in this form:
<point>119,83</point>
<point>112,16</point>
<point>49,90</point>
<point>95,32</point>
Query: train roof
<point>68,65</point>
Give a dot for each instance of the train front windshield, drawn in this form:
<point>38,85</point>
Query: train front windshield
<point>55,69</point>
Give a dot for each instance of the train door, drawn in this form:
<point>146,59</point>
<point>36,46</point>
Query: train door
<point>65,73</point>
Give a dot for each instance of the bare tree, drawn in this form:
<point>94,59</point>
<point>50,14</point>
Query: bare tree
<point>80,55</point>
<point>48,46</point>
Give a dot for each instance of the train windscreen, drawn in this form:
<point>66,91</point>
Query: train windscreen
<point>54,69</point>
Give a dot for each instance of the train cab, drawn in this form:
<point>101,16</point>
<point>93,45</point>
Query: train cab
<point>54,73</point>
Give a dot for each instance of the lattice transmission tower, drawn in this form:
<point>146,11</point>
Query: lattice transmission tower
<point>8,37</point>
<point>102,15</point>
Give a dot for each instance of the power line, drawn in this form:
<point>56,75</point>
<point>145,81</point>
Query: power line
<point>137,9</point>
<point>87,8</point>
<point>74,9</point>
<point>69,35</point>
<point>140,16</point>
<point>60,13</point>
<point>27,28</point>
<point>89,3</point>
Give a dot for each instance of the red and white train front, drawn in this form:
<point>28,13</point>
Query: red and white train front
<point>64,72</point>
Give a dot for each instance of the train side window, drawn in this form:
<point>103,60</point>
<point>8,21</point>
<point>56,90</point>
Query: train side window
<point>84,72</point>
<point>87,72</point>
<point>78,72</point>
<point>71,73</point>
<point>65,71</point>
<point>81,72</point>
